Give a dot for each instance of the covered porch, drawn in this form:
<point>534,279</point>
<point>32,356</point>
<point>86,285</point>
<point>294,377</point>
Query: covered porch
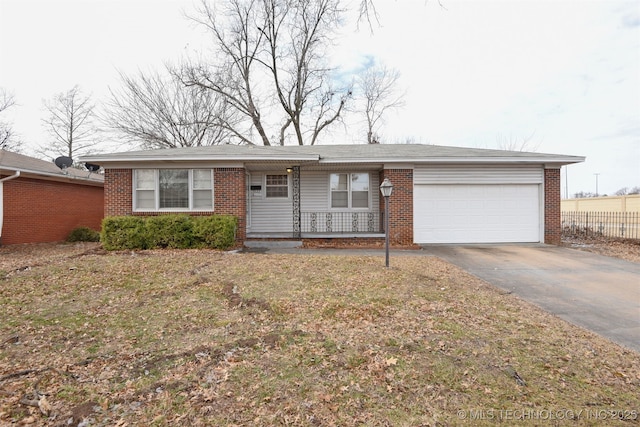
<point>310,202</point>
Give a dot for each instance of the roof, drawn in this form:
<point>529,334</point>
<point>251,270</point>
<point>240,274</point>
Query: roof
<point>335,154</point>
<point>10,163</point>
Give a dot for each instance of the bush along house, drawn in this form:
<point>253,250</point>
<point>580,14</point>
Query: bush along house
<point>329,194</point>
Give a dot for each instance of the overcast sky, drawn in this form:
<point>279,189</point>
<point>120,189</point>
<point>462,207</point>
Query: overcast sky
<point>563,74</point>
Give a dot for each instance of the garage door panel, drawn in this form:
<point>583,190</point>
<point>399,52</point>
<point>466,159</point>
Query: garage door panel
<point>476,213</point>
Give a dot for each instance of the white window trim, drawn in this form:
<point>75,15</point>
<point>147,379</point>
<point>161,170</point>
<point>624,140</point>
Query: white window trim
<point>349,208</point>
<point>264,185</point>
<point>156,192</point>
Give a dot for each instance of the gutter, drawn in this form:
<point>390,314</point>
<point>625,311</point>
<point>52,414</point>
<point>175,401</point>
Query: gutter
<point>2,181</point>
<point>216,157</point>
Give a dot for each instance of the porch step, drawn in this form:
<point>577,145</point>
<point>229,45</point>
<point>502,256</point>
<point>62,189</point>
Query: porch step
<point>275,244</point>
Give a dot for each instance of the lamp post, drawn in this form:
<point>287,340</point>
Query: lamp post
<point>386,188</point>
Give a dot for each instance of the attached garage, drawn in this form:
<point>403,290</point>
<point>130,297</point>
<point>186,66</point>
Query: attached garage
<point>478,204</point>
<point>441,194</point>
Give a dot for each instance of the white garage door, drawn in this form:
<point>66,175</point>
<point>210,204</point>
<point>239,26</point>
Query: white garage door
<point>464,213</point>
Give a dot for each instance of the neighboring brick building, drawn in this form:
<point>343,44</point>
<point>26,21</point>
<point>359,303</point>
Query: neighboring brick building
<point>329,194</point>
<point>41,203</point>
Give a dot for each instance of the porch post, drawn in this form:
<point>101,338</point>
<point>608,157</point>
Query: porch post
<point>297,232</point>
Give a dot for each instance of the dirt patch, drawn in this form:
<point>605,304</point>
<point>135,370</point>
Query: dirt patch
<point>232,294</point>
<point>81,414</point>
<point>627,249</point>
<point>25,256</point>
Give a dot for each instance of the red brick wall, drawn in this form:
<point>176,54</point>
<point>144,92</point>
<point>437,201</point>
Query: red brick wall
<point>400,206</point>
<point>228,189</point>
<point>38,211</point>
<point>118,192</point>
<point>552,221</point>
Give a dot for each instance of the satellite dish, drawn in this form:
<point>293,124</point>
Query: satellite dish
<point>63,162</point>
<point>91,167</point>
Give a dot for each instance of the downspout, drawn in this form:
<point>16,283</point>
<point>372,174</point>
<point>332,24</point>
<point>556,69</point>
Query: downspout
<point>2,181</point>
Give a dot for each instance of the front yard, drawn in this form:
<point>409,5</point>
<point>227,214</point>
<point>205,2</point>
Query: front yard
<point>200,337</point>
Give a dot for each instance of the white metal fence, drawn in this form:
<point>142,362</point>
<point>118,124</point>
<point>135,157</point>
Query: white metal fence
<point>341,222</point>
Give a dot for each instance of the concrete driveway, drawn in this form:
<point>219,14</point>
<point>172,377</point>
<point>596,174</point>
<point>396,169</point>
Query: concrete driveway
<point>599,293</point>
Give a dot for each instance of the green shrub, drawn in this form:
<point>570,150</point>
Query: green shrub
<point>83,234</point>
<point>216,231</point>
<point>177,231</point>
<point>124,232</point>
<point>169,231</point>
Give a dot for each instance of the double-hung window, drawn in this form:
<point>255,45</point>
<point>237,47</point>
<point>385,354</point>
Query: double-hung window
<point>277,186</point>
<point>173,189</point>
<point>349,190</point>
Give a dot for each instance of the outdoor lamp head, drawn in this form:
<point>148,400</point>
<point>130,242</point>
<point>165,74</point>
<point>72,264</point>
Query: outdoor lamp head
<point>386,188</point>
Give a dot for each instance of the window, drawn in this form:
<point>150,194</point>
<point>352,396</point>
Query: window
<point>173,189</point>
<point>349,190</point>
<point>277,186</point>
<point>202,189</point>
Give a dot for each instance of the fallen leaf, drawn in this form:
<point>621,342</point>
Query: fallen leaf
<point>325,397</point>
<point>44,406</point>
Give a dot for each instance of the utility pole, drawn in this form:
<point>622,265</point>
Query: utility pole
<point>596,174</point>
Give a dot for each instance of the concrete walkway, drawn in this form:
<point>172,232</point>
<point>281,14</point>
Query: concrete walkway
<point>598,293</point>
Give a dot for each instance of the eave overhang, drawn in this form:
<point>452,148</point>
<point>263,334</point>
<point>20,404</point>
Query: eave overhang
<point>48,176</point>
<point>255,156</point>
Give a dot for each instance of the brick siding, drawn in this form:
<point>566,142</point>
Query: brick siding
<point>230,199</point>
<point>39,211</point>
<point>118,192</point>
<point>400,206</point>
<point>552,221</point>
<point>228,189</point>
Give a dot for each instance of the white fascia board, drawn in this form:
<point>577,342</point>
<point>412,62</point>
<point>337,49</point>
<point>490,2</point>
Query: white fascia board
<point>561,160</point>
<point>507,160</point>
<point>398,165</point>
<point>211,158</point>
<point>558,165</point>
<point>129,161</point>
<point>177,164</point>
<point>27,173</point>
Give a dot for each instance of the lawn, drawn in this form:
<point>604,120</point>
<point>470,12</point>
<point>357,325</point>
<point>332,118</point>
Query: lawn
<point>200,337</point>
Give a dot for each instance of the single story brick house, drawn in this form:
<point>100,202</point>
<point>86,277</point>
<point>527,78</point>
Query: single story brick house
<point>330,193</point>
<point>40,203</point>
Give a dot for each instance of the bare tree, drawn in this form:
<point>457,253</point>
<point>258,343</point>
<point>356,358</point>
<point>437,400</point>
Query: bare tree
<point>378,89</point>
<point>514,144</point>
<point>161,112</point>
<point>367,12</point>
<point>272,68</point>
<point>626,191</point>
<point>8,138</point>
<point>585,195</point>
<point>70,124</point>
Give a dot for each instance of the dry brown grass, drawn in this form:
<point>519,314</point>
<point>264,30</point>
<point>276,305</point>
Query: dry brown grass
<point>627,249</point>
<point>200,337</point>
